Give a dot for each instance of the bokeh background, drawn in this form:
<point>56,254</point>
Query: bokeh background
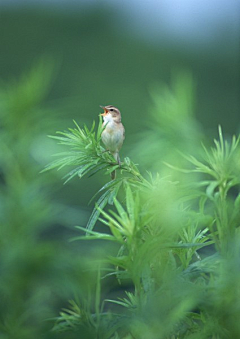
<point>59,61</point>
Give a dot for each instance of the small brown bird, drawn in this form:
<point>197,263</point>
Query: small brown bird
<point>114,133</point>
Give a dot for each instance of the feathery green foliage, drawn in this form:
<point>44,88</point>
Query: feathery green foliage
<point>24,208</point>
<point>177,243</point>
<point>37,268</point>
<point>88,157</point>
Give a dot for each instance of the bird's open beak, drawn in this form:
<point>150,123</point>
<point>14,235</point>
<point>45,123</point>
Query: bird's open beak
<point>105,111</point>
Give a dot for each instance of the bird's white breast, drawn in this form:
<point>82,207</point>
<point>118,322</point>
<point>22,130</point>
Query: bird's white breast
<point>112,135</point>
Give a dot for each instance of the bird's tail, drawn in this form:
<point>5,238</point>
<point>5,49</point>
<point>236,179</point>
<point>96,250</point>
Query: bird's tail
<point>117,158</point>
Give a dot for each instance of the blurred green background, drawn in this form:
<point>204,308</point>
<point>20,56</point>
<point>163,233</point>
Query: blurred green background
<point>59,63</point>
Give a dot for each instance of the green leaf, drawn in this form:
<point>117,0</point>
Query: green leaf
<point>72,174</point>
<point>131,203</point>
<point>121,303</point>
<point>110,219</point>
<point>121,211</point>
<point>115,231</point>
<point>101,203</point>
<point>114,193</point>
<point>108,185</point>
<point>100,129</point>
<point>111,169</point>
<point>210,189</point>
<point>97,169</point>
<point>91,235</point>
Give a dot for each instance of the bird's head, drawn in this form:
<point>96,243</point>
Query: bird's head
<point>111,113</point>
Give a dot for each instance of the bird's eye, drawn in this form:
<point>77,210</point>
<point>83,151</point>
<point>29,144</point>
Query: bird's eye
<point>111,109</point>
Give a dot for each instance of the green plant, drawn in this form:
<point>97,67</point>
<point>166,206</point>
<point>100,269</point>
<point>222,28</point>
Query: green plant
<point>161,228</point>
<point>25,209</point>
<point>37,268</point>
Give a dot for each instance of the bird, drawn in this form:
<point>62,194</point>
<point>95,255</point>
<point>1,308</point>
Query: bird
<point>113,134</point>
